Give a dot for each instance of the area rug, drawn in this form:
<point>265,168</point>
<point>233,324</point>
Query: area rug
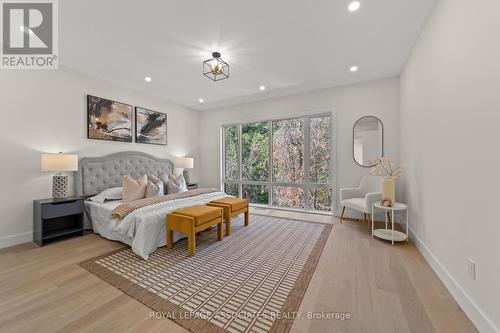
<point>251,281</point>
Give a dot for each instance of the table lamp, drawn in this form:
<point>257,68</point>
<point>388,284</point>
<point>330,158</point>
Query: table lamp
<point>185,163</point>
<point>59,163</point>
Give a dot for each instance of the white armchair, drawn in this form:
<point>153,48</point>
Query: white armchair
<point>362,198</point>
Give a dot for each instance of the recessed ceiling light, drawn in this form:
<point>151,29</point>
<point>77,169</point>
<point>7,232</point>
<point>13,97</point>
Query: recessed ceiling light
<point>354,6</point>
<point>201,100</point>
<point>147,79</point>
<point>354,69</point>
<point>262,88</point>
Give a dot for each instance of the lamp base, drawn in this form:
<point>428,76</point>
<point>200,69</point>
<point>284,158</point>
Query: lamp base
<point>185,173</point>
<point>59,186</point>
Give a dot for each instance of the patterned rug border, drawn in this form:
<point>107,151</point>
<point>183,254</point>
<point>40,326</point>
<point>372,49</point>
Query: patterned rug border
<point>198,325</point>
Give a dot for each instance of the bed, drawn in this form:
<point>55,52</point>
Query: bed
<point>143,229</point>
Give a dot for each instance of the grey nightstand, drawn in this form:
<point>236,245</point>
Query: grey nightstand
<point>57,218</point>
<point>192,186</point>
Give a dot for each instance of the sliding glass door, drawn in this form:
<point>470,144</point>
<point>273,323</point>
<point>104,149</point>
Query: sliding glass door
<point>283,163</point>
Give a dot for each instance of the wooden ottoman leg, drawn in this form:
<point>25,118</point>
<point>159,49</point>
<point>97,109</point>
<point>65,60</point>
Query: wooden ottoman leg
<point>191,241</point>
<point>170,238</point>
<point>247,217</point>
<point>228,222</point>
<point>219,230</point>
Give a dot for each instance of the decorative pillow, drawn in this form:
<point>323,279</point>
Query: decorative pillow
<point>179,181</point>
<point>114,193</point>
<point>134,189</point>
<point>173,187</point>
<point>154,189</point>
<point>153,178</point>
<point>162,177</point>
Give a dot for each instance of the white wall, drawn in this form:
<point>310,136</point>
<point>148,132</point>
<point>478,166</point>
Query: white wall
<point>45,111</point>
<point>371,146</point>
<point>450,113</point>
<point>377,98</point>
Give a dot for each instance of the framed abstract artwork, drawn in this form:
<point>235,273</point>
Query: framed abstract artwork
<point>150,127</point>
<point>108,120</point>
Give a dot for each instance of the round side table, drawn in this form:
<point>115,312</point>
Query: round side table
<point>390,234</point>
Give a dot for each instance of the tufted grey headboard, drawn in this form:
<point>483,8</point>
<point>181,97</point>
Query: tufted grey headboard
<point>96,174</point>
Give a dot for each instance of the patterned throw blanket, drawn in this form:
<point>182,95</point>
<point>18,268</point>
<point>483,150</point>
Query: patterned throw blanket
<point>124,209</point>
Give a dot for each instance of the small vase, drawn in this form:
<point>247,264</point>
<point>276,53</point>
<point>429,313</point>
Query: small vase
<point>389,190</point>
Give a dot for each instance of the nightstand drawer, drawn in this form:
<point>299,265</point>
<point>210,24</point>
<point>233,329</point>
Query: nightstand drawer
<point>52,210</point>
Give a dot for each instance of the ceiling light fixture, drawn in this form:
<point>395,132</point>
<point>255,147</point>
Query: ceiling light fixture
<point>147,79</point>
<point>354,6</point>
<point>262,88</point>
<point>354,69</point>
<point>216,69</point>
<point>201,100</point>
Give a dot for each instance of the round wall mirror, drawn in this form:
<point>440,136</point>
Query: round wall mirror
<point>368,140</point>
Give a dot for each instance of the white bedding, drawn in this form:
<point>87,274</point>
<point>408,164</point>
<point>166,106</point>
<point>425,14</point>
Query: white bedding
<point>143,229</point>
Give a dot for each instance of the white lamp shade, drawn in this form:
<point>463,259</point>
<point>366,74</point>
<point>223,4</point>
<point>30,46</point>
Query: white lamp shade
<point>59,162</point>
<point>185,162</point>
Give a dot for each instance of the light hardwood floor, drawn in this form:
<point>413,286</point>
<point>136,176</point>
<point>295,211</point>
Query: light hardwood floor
<point>384,288</point>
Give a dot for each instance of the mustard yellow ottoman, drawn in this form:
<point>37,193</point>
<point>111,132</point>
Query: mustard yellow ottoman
<point>232,207</point>
<point>191,220</point>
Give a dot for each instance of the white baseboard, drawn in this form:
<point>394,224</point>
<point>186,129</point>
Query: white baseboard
<point>12,240</point>
<point>473,311</point>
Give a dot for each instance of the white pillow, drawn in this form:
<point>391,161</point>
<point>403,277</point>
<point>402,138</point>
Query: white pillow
<point>173,187</point>
<point>179,181</point>
<point>154,190</point>
<point>114,193</point>
<point>165,177</point>
<point>134,189</point>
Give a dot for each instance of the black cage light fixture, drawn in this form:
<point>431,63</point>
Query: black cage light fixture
<point>216,69</point>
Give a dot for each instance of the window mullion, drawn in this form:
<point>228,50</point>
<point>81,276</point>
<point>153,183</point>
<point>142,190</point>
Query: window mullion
<point>223,173</point>
<point>240,161</point>
<point>331,180</point>
<point>307,147</point>
<point>270,187</point>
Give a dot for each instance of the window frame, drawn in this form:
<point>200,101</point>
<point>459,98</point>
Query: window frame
<point>307,184</point>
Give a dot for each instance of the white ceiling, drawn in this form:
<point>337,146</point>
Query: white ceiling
<point>290,46</point>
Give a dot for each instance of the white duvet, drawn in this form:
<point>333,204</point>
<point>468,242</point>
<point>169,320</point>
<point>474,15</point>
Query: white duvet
<point>143,229</point>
